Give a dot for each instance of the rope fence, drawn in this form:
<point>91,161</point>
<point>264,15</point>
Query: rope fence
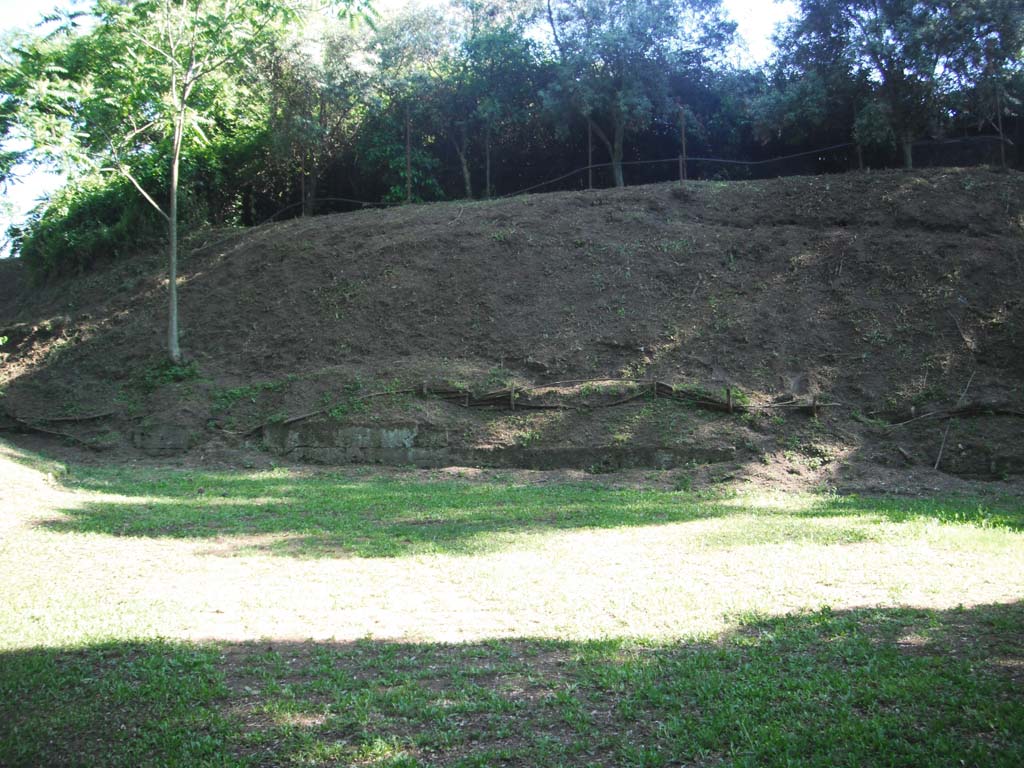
<point>675,160</point>
<point>682,161</point>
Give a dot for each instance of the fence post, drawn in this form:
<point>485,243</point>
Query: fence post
<point>408,157</point>
<point>487,161</point>
<point>999,117</point>
<point>590,154</point>
<point>682,143</point>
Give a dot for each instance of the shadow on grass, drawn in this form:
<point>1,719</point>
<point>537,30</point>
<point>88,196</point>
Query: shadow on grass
<point>333,515</point>
<point>865,687</point>
<point>30,460</point>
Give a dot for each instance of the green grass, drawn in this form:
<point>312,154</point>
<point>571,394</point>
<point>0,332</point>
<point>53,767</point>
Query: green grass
<point>164,372</point>
<point>169,617</point>
<point>331,514</point>
<point>866,687</point>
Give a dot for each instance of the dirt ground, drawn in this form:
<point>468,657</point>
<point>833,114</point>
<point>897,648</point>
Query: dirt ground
<point>889,298</point>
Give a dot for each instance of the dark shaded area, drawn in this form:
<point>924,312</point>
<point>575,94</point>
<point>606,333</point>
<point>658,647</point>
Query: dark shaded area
<point>332,516</point>
<point>897,686</point>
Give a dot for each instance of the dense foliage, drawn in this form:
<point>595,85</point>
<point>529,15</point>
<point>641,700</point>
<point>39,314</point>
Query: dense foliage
<point>303,106</point>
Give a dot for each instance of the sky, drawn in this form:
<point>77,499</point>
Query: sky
<point>756,19</point>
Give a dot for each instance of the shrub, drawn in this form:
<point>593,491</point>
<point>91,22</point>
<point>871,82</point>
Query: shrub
<point>83,223</point>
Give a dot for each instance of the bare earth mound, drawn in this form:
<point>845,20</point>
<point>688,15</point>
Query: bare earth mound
<point>843,330</point>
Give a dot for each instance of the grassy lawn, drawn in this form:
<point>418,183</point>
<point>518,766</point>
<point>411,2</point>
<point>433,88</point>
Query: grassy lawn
<point>170,617</point>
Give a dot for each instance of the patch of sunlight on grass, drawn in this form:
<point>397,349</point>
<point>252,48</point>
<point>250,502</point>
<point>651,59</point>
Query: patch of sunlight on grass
<point>142,553</point>
<point>782,502</point>
<point>11,459</point>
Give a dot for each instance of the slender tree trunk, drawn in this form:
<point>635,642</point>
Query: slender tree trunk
<point>467,179</point>
<point>173,350</point>
<point>999,118</point>
<point>314,189</point>
<point>460,150</point>
<point>248,216</point>
<point>614,147</point>
<point>908,153</point>
<point>310,180</point>
<point>309,190</point>
<point>487,161</point>
<point>590,154</point>
<point>312,165</point>
<point>620,131</point>
<point>682,143</point>
<point>1018,140</point>
<point>408,157</point>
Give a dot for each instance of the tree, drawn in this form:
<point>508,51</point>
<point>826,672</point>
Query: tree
<point>489,15</point>
<point>986,41</point>
<point>170,48</point>
<point>482,91</point>
<point>817,88</point>
<point>901,46</point>
<point>905,66</point>
<point>9,77</point>
<point>404,120</point>
<point>614,56</point>
<point>509,76</point>
<point>455,94</point>
<point>149,78</point>
<point>315,100</point>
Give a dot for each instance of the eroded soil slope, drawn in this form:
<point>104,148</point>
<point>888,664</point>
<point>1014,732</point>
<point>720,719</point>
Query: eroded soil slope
<point>871,299</point>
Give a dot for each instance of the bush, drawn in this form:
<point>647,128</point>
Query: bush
<point>105,217</point>
<point>83,223</point>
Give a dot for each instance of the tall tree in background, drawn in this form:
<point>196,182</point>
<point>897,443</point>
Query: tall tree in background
<point>897,67</point>
<point>818,87</point>
<point>897,44</point>
<point>403,123</point>
<point>508,73</point>
<point>456,94</point>
<point>316,92</point>
<point>484,89</point>
<point>614,57</point>
<point>9,107</point>
<point>484,15</point>
<point>985,39</point>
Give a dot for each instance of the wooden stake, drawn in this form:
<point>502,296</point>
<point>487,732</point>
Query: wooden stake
<point>682,143</point>
<point>487,161</point>
<point>959,402</point>
<point>938,459</point>
<point>999,118</point>
<point>408,157</point>
<point>590,154</point>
